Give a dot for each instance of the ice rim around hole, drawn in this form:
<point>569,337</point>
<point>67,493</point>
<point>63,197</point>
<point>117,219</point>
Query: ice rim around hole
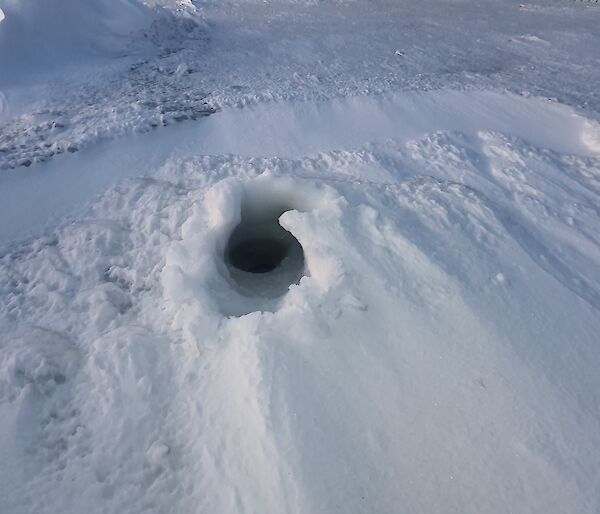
<point>243,246</point>
<point>262,258</point>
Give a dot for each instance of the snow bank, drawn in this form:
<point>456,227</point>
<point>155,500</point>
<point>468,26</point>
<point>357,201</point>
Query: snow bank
<point>30,199</point>
<point>421,364</point>
<point>43,34</point>
<point>40,34</point>
<point>436,352</point>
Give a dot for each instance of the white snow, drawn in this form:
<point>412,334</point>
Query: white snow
<point>30,198</point>
<point>432,348</point>
<point>38,33</point>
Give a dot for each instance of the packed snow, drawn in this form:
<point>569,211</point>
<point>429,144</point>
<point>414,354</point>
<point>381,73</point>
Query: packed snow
<point>299,257</point>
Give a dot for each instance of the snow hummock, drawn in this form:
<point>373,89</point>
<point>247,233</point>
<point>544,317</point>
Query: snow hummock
<point>38,37</point>
<point>38,33</point>
<point>420,358</point>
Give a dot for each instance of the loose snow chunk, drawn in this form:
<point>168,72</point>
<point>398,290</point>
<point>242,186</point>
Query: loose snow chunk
<point>157,453</point>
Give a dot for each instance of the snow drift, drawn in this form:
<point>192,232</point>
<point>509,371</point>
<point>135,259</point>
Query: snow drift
<point>438,352</point>
<point>40,35</point>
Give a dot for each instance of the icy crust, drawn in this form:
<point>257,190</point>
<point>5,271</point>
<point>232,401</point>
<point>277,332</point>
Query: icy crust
<point>426,361</point>
<point>148,99</point>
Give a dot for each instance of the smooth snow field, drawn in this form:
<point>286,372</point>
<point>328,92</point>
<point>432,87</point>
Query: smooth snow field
<point>300,257</point>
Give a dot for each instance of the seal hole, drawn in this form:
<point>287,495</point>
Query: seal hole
<point>264,259</point>
<point>260,255</point>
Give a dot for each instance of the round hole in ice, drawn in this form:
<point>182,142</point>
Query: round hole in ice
<point>262,257</point>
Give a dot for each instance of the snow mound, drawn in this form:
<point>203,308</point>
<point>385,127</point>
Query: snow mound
<point>37,31</point>
<point>410,365</point>
<point>434,349</point>
<point>40,35</point>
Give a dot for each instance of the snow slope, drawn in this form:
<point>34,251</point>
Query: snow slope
<point>243,53</point>
<point>46,34</point>
<point>439,353</point>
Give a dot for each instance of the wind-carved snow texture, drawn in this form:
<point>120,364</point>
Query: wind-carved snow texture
<point>438,352</point>
<point>147,93</point>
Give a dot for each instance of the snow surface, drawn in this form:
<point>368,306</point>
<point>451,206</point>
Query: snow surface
<point>39,33</point>
<point>442,174</point>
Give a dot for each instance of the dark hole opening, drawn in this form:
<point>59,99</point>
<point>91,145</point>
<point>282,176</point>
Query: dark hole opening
<point>262,258</point>
<point>259,255</point>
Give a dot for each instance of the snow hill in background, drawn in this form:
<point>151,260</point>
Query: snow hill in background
<point>42,33</point>
<point>45,34</point>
